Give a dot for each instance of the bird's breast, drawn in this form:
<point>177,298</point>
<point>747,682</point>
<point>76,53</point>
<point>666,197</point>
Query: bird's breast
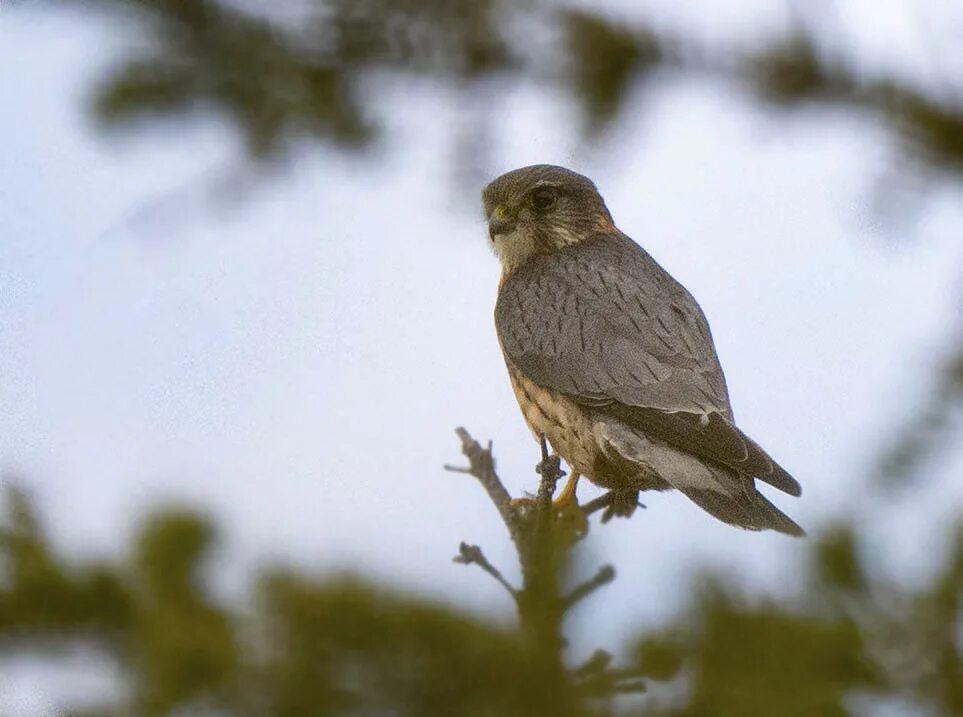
<point>567,425</point>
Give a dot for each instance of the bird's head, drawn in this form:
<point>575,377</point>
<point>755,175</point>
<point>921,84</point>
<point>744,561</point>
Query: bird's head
<point>539,209</point>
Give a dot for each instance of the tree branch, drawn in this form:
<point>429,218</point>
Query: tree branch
<point>473,555</point>
<point>543,556</point>
<point>481,465</point>
<point>604,576</point>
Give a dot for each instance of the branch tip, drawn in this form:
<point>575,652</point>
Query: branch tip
<point>473,555</point>
<point>604,576</point>
<point>598,662</point>
<point>481,465</point>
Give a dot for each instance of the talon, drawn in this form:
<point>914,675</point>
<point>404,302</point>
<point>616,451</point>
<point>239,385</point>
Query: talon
<point>623,503</point>
<point>568,511</point>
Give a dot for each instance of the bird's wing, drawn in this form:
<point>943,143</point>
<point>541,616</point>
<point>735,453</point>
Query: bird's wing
<point>601,322</point>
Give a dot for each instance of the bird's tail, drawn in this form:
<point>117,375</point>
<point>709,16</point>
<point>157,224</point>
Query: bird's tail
<point>747,508</point>
<point>720,490</point>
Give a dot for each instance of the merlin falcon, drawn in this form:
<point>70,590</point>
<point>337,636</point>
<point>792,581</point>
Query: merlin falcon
<point>611,359</point>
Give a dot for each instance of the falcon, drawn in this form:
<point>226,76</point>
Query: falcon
<point>611,359</point>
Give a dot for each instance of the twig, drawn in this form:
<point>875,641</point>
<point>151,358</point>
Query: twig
<point>596,677</point>
<point>481,465</point>
<point>607,686</point>
<point>550,470</point>
<point>604,576</point>
<point>473,555</point>
<point>598,662</point>
<point>542,558</point>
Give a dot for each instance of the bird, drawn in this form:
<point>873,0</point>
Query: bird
<point>612,360</point>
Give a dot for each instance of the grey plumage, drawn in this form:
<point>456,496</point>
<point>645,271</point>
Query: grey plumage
<point>602,324</point>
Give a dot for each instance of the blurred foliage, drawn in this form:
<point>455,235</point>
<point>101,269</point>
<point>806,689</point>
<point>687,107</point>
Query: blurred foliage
<point>300,69</point>
<point>334,646</point>
<point>341,645</point>
<point>605,59</point>
<point>936,425</point>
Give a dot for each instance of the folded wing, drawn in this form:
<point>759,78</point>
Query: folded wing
<point>601,322</point>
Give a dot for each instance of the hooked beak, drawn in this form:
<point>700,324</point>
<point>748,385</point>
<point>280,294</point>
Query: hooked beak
<point>500,222</point>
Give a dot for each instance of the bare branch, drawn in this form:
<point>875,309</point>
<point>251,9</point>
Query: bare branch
<point>542,558</point>
<point>596,678</point>
<point>598,662</point>
<point>550,470</point>
<point>604,576</point>
<point>481,465</point>
<point>606,686</point>
<point>473,555</point>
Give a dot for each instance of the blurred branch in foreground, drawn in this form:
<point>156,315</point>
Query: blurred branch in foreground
<point>928,431</point>
<point>301,70</point>
<point>848,642</point>
<point>332,646</point>
<point>543,543</point>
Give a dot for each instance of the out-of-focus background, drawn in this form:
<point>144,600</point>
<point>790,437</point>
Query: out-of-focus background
<point>244,273</point>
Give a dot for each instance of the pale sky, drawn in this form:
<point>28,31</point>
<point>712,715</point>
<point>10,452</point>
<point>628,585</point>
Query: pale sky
<point>295,361</point>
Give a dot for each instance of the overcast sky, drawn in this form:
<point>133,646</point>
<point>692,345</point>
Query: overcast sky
<point>295,361</point>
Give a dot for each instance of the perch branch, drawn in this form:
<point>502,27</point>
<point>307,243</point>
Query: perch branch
<point>542,559</point>
<point>550,470</point>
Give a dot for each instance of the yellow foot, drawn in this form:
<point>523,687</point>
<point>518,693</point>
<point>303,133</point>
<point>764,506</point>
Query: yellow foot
<point>568,512</point>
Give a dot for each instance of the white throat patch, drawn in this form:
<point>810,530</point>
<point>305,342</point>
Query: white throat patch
<point>513,248</point>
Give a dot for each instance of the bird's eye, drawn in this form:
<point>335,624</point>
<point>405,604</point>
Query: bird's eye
<point>543,198</point>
